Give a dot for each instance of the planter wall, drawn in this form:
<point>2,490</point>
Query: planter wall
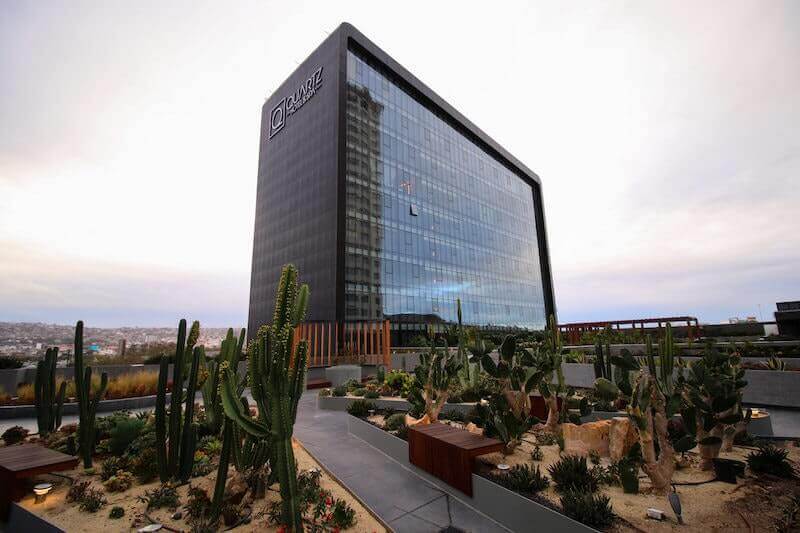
<point>341,403</point>
<point>105,406</point>
<point>507,508</point>
<point>20,519</point>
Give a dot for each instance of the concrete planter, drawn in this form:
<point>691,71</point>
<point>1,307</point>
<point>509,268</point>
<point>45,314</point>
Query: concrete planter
<point>105,406</point>
<point>20,519</point>
<point>340,374</point>
<point>507,508</point>
<point>772,388</point>
<point>341,403</point>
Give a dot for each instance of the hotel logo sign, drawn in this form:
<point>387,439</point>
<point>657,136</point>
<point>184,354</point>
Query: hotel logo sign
<point>291,104</point>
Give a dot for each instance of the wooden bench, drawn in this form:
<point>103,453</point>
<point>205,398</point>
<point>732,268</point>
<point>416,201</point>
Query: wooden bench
<point>448,452</point>
<point>18,462</point>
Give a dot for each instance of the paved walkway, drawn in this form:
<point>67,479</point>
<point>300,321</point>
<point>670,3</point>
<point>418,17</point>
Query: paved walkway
<point>402,499</point>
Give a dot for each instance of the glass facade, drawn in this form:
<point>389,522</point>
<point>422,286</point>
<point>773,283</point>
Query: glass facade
<point>431,217</point>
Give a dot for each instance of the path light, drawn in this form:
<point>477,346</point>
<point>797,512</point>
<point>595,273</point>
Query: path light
<point>503,466</point>
<point>41,490</point>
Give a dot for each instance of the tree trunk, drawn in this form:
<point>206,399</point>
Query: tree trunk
<point>659,468</point>
<point>552,413</point>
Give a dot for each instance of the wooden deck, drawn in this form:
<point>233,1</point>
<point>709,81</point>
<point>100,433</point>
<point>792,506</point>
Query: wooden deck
<point>18,462</point>
<point>448,452</point>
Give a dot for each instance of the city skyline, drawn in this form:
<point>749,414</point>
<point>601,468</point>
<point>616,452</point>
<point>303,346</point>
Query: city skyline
<point>665,137</point>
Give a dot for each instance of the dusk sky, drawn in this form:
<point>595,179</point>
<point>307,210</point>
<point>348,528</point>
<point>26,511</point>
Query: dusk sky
<point>666,135</point>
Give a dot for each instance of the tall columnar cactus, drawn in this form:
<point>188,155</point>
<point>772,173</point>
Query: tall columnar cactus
<point>48,402</point>
<point>276,374</point>
<point>602,361</point>
<point>176,446</point>
<point>87,403</point>
<point>713,413</point>
<point>470,373</point>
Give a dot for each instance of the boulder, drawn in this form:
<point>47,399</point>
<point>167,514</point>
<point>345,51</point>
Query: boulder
<point>586,438</point>
<point>621,437</point>
<point>411,421</point>
<point>472,428</point>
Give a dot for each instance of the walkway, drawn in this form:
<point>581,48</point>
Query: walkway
<point>402,499</point>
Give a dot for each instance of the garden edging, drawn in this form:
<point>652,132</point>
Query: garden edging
<point>8,412</point>
<point>507,508</point>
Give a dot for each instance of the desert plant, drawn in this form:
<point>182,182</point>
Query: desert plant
<point>380,374</point>
<point>437,370</point>
<point>48,402</point>
<point>276,372</point>
<point>163,496</point>
<point>175,446</point>
<point>774,363</point>
<point>87,403</point>
<point>522,478</point>
<point>210,445</point>
<point>360,408</point>
<point>571,473</point>
<point>537,454</point>
<point>340,391</point>
<point>116,512</point>
<point>324,393</point>
<point>769,459</point>
<point>92,500</point>
<point>398,380</point>
<point>14,434</point>
<point>548,363</point>
<point>591,509</point>
<point>372,395</point>
<point>712,410</point>
<point>499,421</point>
<point>359,392</point>
<point>124,432</point>
<point>112,465</point>
<point>395,421</point>
<point>602,361</point>
<point>119,482</point>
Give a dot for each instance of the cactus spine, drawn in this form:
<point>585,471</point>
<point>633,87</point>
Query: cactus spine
<point>87,405</point>
<point>176,461</point>
<point>276,375</point>
<point>48,402</point>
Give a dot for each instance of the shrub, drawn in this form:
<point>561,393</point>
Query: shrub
<point>163,496</point>
<point>112,465</point>
<point>571,473</point>
<point>395,422</point>
<point>769,459</point>
<point>360,408</point>
<point>341,390</point>
<point>25,394</point>
<point>380,375</point>
<point>14,434</point>
<point>211,445</point>
<point>119,482</point>
<point>324,392</point>
<point>116,512</point>
<point>123,433</point>
<point>522,478</point>
<point>359,392</point>
<point>10,363</point>
<point>398,380</point>
<point>92,500</point>
<point>352,384</point>
<point>454,398</point>
<point>592,510</point>
<point>372,395</point>
<point>77,490</point>
<point>546,439</point>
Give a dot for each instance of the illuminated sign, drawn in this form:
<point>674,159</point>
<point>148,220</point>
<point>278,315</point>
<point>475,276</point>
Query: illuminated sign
<point>291,104</point>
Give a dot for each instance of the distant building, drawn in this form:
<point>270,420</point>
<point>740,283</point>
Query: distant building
<point>788,318</point>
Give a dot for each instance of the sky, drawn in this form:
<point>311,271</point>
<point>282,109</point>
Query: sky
<point>666,135</point>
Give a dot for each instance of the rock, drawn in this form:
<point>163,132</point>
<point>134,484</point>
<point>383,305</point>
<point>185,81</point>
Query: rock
<point>411,421</point>
<point>472,428</point>
<point>621,437</point>
<point>235,489</point>
<point>588,437</point>
<point>177,515</point>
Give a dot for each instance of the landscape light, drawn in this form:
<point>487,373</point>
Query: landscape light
<point>41,490</point>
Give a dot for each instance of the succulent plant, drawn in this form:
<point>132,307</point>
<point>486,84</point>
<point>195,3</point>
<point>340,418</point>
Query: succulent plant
<point>48,402</point>
<point>433,376</point>
<point>87,402</point>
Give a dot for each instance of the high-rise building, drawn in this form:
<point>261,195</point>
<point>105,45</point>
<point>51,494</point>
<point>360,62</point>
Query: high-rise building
<point>390,202</point>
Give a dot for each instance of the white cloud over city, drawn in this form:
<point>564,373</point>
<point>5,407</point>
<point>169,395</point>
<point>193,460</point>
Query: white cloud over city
<point>666,136</point>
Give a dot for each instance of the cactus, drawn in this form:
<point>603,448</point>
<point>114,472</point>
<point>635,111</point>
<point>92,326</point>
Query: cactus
<point>48,402</point>
<point>176,460</point>
<point>713,413</point>
<point>436,371</point>
<point>548,362</point>
<point>470,373</point>
<point>276,374</point>
<point>602,362</point>
<point>87,405</point>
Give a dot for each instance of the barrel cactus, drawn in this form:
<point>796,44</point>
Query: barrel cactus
<point>276,375</point>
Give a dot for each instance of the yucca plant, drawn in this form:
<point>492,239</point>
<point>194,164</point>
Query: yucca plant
<point>522,478</point>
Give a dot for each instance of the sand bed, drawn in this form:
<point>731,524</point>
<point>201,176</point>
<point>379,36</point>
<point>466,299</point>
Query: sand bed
<point>68,517</point>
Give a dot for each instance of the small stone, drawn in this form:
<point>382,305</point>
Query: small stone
<point>177,515</point>
<point>472,428</point>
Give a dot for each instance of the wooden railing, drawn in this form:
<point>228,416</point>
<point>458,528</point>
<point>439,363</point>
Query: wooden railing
<point>331,343</point>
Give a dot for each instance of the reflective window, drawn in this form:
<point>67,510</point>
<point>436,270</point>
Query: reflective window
<point>431,217</point>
